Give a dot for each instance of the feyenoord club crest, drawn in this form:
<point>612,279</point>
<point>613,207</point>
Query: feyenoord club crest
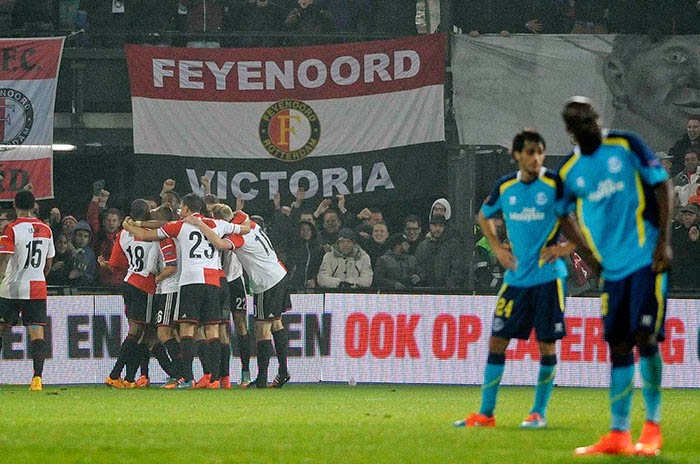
<point>16,118</point>
<point>289,130</point>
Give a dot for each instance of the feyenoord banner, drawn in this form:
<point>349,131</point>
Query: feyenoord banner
<point>28,77</point>
<point>287,103</point>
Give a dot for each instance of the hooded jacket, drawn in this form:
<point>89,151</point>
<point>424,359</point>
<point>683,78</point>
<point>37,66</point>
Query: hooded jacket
<point>304,258</point>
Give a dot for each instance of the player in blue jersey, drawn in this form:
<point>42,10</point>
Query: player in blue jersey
<point>622,195</point>
<point>533,289</point>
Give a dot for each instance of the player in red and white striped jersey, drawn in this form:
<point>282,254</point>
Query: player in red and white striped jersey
<point>138,258</point>
<point>199,280</point>
<point>167,299</point>
<point>26,252</point>
<point>268,281</point>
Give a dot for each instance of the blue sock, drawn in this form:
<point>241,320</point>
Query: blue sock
<point>650,364</point>
<point>492,379</point>
<point>545,384</point>
<point>621,391</point>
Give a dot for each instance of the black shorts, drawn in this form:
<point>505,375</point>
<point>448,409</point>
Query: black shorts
<point>166,307</point>
<point>138,304</point>
<point>224,300</point>
<point>32,311</point>
<point>519,309</point>
<point>199,304</point>
<point>634,305</point>
<point>272,302</point>
<point>237,294</point>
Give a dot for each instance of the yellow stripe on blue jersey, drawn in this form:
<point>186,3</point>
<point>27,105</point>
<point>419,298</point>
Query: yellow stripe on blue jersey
<point>639,213</point>
<point>506,185</point>
<point>660,292</point>
<point>566,168</point>
<point>586,231</point>
<point>619,141</point>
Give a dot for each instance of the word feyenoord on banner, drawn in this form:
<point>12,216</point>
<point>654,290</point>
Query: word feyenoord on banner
<point>28,76</point>
<point>287,103</point>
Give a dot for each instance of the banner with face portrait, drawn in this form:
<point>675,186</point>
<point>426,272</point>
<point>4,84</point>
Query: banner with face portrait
<point>28,78</point>
<point>504,84</point>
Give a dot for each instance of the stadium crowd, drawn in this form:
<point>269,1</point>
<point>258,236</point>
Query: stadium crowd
<point>240,22</point>
<point>326,246</point>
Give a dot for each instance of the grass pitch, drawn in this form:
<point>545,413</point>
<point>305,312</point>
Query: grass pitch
<point>318,423</point>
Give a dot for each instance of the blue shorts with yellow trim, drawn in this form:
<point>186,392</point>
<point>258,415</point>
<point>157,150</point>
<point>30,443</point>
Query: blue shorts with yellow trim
<point>635,305</point>
<point>519,309</point>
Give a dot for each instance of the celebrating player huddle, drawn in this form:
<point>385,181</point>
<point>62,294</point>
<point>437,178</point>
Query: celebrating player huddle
<point>198,308</point>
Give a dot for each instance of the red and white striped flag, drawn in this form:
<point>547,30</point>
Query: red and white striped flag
<point>287,103</point>
<point>28,76</point>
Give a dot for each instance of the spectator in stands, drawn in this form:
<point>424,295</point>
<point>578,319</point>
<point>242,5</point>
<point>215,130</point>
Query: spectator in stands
<point>331,227</point>
<point>308,18</point>
<point>689,142</point>
<point>656,103</point>
<point>488,272</point>
<point>375,245</point>
<point>685,182</point>
<point>396,17</point>
<point>346,265</point>
<point>439,258</point>
<point>104,233</point>
<point>282,230</point>
<point>666,161</point>
<point>368,218</point>
<point>396,269</point>
<point>304,257</point>
<point>412,228</point>
<point>695,199</point>
<point>85,265</point>
<point>351,16</point>
<point>441,207</point>
<point>686,247</point>
<point>68,224</point>
<point>63,262</point>
<point>6,217</point>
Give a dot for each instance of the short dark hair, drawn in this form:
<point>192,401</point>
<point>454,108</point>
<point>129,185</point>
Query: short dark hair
<point>527,135</point>
<point>210,199</point>
<point>112,211</point>
<point>194,203</point>
<point>172,193</point>
<point>164,213</point>
<point>140,210</point>
<point>24,200</point>
<point>413,218</point>
<point>581,119</point>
